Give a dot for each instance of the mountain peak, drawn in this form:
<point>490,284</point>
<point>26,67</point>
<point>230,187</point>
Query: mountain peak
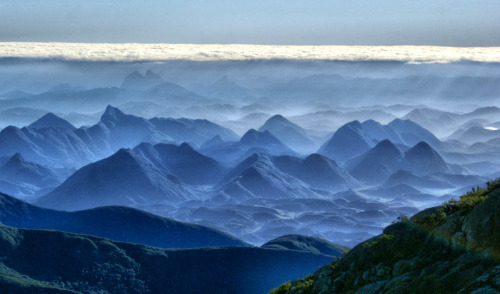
<point>253,136</point>
<point>422,147</point>
<point>185,147</point>
<point>150,73</point>
<point>422,159</point>
<point>371,122</point>
<point>51,120</point>
<point>355,124</point>
<point>15,159</point>
<point>278,117</point>
<point>112,114</point>
<point>290,134</point>
<point>216,140</point>
<point>385,144</point>
<point>347,142</point>
<point>277,122</point>
<point>138,81</point>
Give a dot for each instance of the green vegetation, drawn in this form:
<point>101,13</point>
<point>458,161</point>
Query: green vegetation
<point>448,249</point>
<point>474,197</point>
<point>282,289</point>
<point>45,261</point>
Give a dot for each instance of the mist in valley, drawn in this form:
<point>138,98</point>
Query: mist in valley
<point>256,148</point>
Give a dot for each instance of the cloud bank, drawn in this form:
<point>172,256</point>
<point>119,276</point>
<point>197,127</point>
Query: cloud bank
<point>215,52</point>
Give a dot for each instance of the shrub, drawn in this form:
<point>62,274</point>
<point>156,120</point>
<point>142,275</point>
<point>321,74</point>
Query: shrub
<point>282,289</point>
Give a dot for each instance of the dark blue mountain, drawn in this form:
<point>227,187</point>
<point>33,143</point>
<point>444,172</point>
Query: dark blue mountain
<point>51,120</point>
<point>53,147</point>
<point>23,178</point>
<point>47,261</point>
<point>347,142</point>
<point>258,177</point>
<point>317,171</point>
<point>113,222</point>
<point>475,134</point>
<point>252,142</point>
<point>377,164</point>
<point>169,94</point>
<point>215,141</point>
<point>354,138</point>
<point>127,131</point>
<point>422,159</point>
<point>125,178</point>
<point>138,81</point>
<point>183,162</point>
<point>289,133</point>
<point>197,131</point>
<point>51,142</point>
<point>404,177</point>
<point>378,132</point>
<point>412,133</point>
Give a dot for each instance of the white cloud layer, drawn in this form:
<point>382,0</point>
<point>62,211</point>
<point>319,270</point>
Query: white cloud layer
<point>214,52</point>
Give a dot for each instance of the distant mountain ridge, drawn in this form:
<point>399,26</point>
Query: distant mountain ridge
<point>138,81</point>
<point>355,138</point>
<point>116,223</point>
<point>52,141</point>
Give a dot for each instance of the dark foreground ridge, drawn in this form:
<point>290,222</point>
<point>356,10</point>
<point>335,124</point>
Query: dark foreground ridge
<point>40,261</point>
<point>453,248</point>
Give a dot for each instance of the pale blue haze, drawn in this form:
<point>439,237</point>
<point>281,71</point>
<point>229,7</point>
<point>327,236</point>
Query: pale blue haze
<point>358,22</point>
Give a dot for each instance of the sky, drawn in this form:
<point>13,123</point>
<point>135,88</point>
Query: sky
<point>274,22</point>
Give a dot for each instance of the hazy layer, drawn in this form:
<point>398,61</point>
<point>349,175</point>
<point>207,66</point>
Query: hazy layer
<point>214,52</point>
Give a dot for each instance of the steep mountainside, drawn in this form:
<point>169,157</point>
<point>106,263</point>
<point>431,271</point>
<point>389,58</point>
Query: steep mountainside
<point>316,170</point>
<point>422,159</point>
<point>125,178</point>
<point>377,164</point>
<point>453,248</point>
<point>258,177</point>
<point>37,261</point>
<point>183,162</point>
<point>22,178</point>
<point>289,133</point>
<point>51,120</point>
<point>347,142</point>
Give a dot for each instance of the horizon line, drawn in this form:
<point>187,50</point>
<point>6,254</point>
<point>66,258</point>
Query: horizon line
<point>151,52</point>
